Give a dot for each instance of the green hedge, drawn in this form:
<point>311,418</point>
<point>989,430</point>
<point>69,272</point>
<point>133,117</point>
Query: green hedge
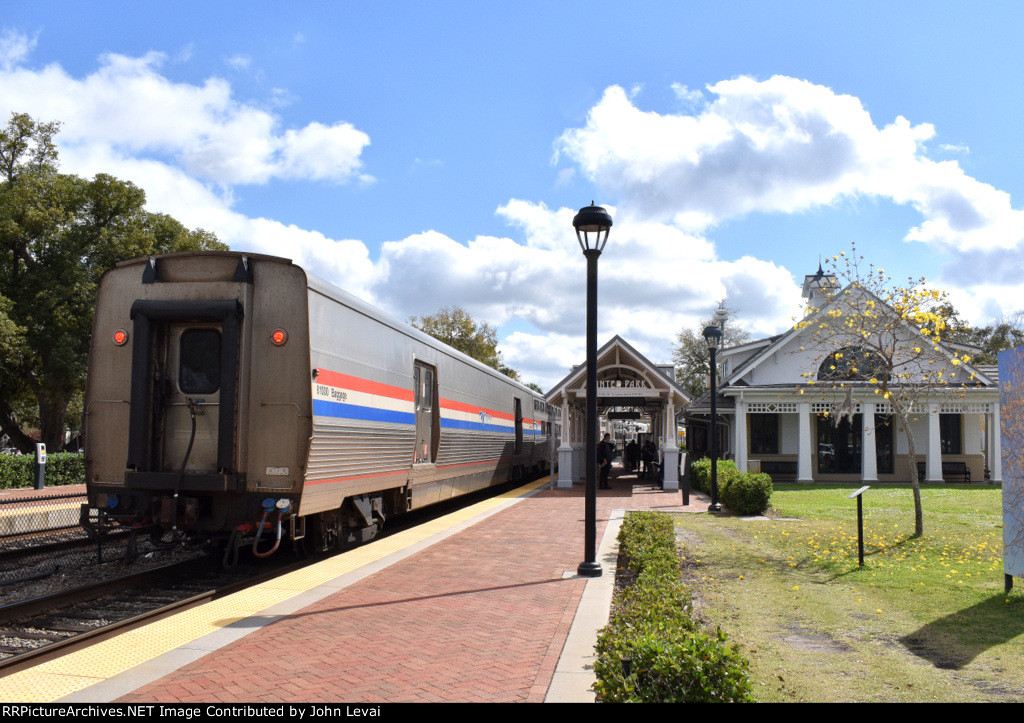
<point>62,468</point>
<point>671,659</point>
<point>748,494</point>
<point>743,493</point>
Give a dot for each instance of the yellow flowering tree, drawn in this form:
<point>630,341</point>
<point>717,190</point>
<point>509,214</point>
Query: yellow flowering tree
<point>873,335</point>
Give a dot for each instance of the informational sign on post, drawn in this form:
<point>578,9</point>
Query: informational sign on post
<point>40,466</point>
<point>1011,412</point>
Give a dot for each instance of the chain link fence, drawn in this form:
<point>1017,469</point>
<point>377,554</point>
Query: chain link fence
<point>41,535</point>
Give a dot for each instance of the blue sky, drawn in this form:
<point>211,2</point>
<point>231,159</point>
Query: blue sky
<point>423,154</point>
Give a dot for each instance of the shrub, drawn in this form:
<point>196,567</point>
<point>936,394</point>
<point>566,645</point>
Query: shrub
<point>747,494</point>
<point>62,468</point>
<point>743,493</point>
<point>700,473</point>
<point>672,659</point>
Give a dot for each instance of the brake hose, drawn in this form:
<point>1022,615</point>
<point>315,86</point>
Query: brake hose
<point>188,452</point>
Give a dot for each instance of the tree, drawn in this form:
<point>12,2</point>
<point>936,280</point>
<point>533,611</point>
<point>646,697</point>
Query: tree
<point>690,353</point>
<point>1007,333</point>
<point>873,335</point>
<point>455,327</point>
<point>58,234</point>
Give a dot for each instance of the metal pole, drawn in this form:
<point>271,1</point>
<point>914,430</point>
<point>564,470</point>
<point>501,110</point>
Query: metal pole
<point>860,530</point>
<point>590,567</point>
<point>715,507</point>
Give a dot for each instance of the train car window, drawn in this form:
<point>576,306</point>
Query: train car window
<point>428,389</point>
<point>199,361</point>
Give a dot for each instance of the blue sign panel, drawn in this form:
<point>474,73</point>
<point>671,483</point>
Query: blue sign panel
<point>1011,412</point>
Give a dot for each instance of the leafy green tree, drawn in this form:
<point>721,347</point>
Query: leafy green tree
<point>58,234</point>
<point>455,327</point>
<point>1007,333</point>
<point>690,353</point>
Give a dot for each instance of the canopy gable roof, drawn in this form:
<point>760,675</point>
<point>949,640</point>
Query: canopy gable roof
<point>615,358</point>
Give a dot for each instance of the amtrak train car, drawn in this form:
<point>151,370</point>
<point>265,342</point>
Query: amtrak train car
<point>232,396</point>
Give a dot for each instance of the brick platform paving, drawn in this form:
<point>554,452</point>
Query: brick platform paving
<point>478,617</point>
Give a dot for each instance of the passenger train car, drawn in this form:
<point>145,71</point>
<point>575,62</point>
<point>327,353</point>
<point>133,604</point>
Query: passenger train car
<point>230,393</point>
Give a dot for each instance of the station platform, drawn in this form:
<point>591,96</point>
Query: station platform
<point>480,605</point>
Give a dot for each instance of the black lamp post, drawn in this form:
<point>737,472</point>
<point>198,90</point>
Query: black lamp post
<point>713,336</point>
<point>592,225</point>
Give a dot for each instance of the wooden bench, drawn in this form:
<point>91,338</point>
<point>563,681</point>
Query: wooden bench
<point>949,469</point>
<point>781,468</point>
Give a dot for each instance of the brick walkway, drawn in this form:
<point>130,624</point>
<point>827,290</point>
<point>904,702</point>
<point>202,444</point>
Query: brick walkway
<point>478,617</point>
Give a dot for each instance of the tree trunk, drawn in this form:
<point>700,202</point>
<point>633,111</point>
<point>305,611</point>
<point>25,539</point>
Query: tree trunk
<point>914,481</point>
<point>52,414</point>
<point>12,429</point>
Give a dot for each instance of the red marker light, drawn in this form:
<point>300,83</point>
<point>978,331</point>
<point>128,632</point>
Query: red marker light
<point>279,337</point>
<point>120,337</point>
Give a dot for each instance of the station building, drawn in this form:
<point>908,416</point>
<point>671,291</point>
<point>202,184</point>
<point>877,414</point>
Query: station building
<point>782,407</point>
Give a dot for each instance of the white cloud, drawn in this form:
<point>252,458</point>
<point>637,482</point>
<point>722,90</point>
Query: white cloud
<point>788,145</point>
<point>686,96</point>
<point>783,145</point>
<point>653,278</point>
<point>15,47</point>
<point>239,61</point>
<point>130,107</point>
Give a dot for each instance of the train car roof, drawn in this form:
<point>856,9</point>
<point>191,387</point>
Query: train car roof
<point>326,288</point>
<point>322,286</point>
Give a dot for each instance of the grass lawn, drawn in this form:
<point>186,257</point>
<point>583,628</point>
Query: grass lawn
<point>925,620</point>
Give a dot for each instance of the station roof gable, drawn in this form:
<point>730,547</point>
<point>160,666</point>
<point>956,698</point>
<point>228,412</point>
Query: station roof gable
<point>615,357</point>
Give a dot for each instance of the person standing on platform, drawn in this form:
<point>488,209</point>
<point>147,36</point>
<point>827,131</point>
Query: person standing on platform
<point>605,455</point>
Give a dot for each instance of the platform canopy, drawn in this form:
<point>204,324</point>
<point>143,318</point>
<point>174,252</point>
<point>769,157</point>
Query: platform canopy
<point>630,388</point>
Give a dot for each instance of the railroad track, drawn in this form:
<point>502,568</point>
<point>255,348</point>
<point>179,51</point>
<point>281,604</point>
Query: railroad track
<point>35,630</point>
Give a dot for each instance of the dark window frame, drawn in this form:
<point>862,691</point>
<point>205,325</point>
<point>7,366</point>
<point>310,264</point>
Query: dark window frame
<point>763,432</point>
<point>190,373</point>
<point>951,433</point>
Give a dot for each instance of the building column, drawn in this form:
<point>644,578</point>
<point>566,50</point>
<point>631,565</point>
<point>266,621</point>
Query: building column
<point>933,462</point>
<point>740,438</point>
<point>577,445</point>
<point>804,460</point>
<point>565,450</point>
<point>995,437</point>
<point>670,450</point>
<point>868,450</point>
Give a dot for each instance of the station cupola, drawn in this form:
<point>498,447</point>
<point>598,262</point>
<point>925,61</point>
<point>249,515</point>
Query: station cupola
<point>817,286</point>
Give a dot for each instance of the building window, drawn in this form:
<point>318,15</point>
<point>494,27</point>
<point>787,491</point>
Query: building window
<point>884,448</point>
<point>199,362</point>
<point>950,433</point>
<point>839,444</point>
<point>764,433</point>
<point>854,364</point>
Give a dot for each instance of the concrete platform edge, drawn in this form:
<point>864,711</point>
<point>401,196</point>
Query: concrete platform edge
<point>134,678</point>
<point>574,675</point>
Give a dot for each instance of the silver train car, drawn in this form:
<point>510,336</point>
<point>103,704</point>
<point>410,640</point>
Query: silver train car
<point>232,396</point>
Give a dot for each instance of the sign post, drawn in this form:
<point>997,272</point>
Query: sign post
<point>860,523</point>
<point>40,466</point>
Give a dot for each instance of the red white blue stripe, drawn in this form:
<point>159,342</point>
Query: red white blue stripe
<point>343,396</point>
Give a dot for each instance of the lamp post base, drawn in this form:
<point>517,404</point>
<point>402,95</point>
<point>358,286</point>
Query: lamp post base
<point>589,569</point>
